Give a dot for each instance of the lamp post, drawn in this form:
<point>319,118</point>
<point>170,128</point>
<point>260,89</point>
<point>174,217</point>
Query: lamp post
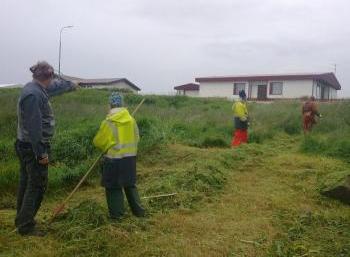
<point>60,49</point>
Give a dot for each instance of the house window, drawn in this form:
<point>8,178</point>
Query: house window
<point>237,87</point>
<point>276,88</point>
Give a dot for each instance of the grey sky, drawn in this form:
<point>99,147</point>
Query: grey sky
<point>159,44</point>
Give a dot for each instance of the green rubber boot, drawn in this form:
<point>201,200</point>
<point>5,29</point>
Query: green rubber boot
<point>134,201</point>
<point>115,202</point>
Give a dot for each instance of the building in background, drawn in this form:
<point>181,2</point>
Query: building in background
<point>11,86</point>
<point>190,89</point>
<point>323,86</point>
<point>105,83</point>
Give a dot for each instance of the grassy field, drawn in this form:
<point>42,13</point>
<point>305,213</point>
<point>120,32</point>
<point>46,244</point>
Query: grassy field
<point>261,199</point>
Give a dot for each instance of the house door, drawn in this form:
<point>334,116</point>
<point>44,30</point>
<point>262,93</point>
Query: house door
<point>262,92</point>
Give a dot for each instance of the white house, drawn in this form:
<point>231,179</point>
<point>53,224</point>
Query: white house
<point>112,83</point>
<point>263,87</point>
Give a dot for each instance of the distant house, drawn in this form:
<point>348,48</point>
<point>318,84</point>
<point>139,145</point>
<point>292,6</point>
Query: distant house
<point>190,89</point>
<point>111,83</point>
<point>11,86</point>
<point>263,87</point>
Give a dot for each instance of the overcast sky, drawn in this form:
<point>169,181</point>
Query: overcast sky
<point>158,44</point>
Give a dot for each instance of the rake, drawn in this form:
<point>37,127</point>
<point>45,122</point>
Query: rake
<point>61,207</point>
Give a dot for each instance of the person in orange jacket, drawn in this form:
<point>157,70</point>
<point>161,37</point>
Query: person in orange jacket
<point>309,112</point>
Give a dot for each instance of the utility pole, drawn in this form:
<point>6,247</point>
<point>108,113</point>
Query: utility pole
<point>60,49</point>
<point>335,68</point>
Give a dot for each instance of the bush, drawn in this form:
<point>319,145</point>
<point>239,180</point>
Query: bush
<point>291,124</point>
<point>132,99</point>
<point>151,133</point>
<point>72,146</point>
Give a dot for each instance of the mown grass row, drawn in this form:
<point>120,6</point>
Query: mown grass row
<point>164,120</point>
<point>301,235</point>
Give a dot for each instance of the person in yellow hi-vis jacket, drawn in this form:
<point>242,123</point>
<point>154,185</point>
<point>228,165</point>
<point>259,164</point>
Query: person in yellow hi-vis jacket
<point>240,116</point>
<point>118,137</point>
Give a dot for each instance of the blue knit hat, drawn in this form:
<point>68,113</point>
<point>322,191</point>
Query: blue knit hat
<point>242,94</point>
<point>116,99</point>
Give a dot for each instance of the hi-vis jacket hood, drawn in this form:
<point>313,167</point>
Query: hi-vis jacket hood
<point>119,115</point>
<point>118,134</point>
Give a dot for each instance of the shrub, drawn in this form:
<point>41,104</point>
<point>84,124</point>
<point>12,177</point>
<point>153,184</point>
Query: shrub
<point>291,124</point>
<point>132,99</point>
<point>72,146</point>
<point>151,133</point>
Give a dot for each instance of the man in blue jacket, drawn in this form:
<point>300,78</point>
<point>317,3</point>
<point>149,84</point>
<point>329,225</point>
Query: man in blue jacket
<point>35,129</point>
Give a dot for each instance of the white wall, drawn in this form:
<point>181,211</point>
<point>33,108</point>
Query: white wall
<point>333,93</point>
<point>192,93</point>
<point>217,89</point>
<point>254,93</point>
<point>293,89</point>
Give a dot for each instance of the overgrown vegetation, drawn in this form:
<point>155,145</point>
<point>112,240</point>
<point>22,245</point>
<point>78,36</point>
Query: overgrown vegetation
<point>266,192</point>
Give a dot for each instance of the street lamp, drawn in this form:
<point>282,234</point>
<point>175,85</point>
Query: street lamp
<point>60,49</point>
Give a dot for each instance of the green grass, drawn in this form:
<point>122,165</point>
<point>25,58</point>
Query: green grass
<point>261,199</point>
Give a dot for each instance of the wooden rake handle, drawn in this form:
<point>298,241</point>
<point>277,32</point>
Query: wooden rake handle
<point>60,208</point>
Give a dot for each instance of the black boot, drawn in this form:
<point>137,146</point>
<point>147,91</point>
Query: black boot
<point>115,202</point>
<point>35,233</point>
<point>134,201</point>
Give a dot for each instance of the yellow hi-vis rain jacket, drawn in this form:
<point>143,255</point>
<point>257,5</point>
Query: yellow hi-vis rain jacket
<point>118,135</point>
<point>240,110</point>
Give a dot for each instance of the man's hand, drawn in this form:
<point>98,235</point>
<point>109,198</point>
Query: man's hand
<point>44,160</point>
<point>75,85</point>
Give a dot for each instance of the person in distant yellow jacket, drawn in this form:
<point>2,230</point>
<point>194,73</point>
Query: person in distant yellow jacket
<point>240,116</point>
<point>118,137</point>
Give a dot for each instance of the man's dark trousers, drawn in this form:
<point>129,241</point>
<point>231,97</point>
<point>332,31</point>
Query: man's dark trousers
<point>32,186</point>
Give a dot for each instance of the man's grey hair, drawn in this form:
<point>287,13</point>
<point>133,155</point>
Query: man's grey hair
<point>42,71</point>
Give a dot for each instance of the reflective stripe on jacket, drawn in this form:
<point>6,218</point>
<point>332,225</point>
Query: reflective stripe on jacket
<point>118,135</point>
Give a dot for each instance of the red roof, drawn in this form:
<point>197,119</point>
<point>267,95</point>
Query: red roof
<point>188,87</point>
<point>327,78</point>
